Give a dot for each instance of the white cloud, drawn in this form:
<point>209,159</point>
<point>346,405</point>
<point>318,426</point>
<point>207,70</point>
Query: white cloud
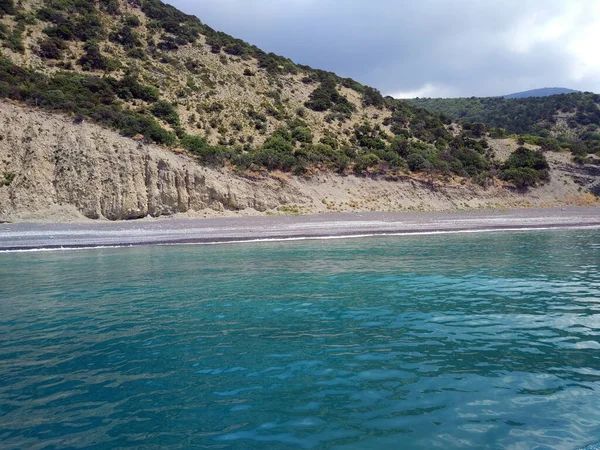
<point>572,28</point>
<point>428,90</point>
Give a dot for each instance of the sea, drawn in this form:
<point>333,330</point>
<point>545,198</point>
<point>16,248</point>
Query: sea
<point>466,340</point>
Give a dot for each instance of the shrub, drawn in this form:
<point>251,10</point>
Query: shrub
<point>130,85</point>
<point>84,26</point>
<point>194,144</point>
<point>365,162</point>
<point>523,157</point>
<point>372,97</point>
<point>166,111</point>
<point>127,37</point>
<point>330,141</point>
<point>206,154</point>
<point>521,177</point>
<point>8,178</point>
<point>132,20</point>
<point>416,162</point>
<point>93,59</point>
<point>525,167</point>
<point>327,97</point>
<point>111,7</point>
<point>302,134</point>
<point>51,48</point>
<point>7,7</point>
<point>14,41</point>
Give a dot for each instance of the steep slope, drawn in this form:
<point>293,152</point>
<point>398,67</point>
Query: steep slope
<point>56,170</point>
<point>148,70</point>
<point>543,92</point>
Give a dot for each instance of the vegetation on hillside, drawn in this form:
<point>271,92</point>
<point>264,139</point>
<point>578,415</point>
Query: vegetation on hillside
<point>562,121</point>
<point>286,116</point>
<point>525,167</point>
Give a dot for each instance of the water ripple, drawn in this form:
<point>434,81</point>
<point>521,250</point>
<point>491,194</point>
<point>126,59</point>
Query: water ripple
<point>439,341</point>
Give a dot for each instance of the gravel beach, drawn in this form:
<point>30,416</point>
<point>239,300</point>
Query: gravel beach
<point>32,236</point>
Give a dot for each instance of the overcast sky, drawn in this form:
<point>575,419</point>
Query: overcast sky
<point>425,48</point>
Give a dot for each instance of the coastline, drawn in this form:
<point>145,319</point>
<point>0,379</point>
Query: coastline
<point>46,236</point>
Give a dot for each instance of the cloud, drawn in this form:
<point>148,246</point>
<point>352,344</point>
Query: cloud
<point>431,47</point>
<point>428,90</point>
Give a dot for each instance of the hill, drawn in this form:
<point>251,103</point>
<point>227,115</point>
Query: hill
<point>148,70</point>
<point>566,120</point>
<point>543,92</point>
<point>159,76</point>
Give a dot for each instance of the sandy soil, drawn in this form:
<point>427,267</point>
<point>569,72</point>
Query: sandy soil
<point>27,236</point>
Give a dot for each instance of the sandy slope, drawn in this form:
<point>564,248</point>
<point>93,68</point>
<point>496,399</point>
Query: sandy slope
<point>68,172</point>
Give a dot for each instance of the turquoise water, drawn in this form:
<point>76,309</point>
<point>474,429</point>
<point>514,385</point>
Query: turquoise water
<point>448,341</point>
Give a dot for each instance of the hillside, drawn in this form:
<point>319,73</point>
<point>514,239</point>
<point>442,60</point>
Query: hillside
<point>569,121</point>
<point>543,92</point>
<point>158,76</point>
<point>152,72</point>
<point>66,171</point>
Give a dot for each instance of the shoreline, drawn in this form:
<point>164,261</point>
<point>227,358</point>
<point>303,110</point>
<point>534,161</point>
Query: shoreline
<point>87,235</point>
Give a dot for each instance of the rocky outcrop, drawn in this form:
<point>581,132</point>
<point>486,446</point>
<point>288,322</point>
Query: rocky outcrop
<point>55,162</point>
<point>49,162</point>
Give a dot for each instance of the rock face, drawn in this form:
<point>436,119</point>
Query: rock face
<point>48,162</point>
<point>55,162</point>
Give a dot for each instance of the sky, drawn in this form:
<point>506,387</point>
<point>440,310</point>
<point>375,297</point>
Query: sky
<point>424,48</point>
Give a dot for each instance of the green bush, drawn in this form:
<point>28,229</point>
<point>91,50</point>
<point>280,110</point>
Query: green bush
<point>416,162</point>
<point>302,134</point>
<point>78,25</point>
<point>111,7</point>
<point>525,167</point>
<point>127,37</point>
<point>14,41</point>
<point>372,97</point>
<point>93,59</point>
<point>8,178</point>
<point>7,7</point>
<point>132,20</point>
<point>166,111</point>
<point>524,157</point>
<point>521,177</point>
<point>51,48</point>
<point>365,162</point>
<point>326,96</point>
<point>83,96</point>
<point>194,144</point>
<point>209,155</point>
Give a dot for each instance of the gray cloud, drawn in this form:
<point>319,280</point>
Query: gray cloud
<point>426,48</point>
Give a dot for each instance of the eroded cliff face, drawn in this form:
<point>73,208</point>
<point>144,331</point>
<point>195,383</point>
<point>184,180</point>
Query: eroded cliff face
<point>55,162</point>
<point>48,162</point>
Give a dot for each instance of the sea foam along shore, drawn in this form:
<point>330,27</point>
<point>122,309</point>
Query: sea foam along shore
<point>37,236</point>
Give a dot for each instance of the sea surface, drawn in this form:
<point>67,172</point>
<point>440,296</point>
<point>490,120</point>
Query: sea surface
<point>482,340</point>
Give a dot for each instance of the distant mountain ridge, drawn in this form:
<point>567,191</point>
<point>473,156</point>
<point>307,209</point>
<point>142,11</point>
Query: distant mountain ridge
<point>543,92</point>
